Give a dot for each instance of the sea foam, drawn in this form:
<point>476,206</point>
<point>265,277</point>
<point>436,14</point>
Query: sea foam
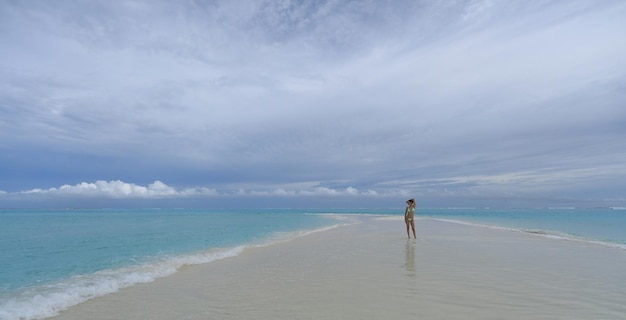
<point>48,300</point>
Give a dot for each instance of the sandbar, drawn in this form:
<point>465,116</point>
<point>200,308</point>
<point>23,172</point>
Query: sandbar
<point>370,270</point>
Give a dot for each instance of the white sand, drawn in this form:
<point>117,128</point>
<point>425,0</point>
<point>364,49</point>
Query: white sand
<point>370,271</point>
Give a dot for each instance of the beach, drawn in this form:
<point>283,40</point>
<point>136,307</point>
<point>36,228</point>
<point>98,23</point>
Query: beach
<point>369,270</point>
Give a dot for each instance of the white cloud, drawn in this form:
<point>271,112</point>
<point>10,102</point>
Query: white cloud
<point>119,189</point>
<point>318,192</point>
<point>158,190</point>
<point>271,94</point>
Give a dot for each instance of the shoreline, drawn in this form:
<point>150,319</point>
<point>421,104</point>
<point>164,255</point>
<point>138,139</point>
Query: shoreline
<point>370,270</point>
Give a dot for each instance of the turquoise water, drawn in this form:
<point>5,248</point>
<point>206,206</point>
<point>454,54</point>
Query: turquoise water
<point>54,259</point>
<point>599,225</point>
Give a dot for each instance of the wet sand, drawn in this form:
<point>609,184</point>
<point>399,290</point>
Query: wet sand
<point>369,270</point>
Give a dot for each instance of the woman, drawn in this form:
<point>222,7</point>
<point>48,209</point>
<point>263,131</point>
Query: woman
<point>409,217</point>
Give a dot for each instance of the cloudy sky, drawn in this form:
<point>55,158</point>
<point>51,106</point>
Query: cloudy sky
<point>312,103</point>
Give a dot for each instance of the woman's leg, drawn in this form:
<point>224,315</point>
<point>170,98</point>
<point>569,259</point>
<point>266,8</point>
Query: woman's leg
<point>407,228</point>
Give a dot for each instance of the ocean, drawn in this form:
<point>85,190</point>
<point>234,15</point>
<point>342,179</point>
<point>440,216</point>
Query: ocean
<point>54,259</point>
<point>605,226</point>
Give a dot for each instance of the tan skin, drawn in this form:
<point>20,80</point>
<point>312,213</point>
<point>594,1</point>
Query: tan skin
<point>409,217</point>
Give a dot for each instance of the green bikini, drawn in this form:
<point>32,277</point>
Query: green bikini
<point>413,211</point>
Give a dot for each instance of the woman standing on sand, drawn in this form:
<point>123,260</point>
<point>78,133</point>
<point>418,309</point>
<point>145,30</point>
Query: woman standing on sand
<point>409,217</point>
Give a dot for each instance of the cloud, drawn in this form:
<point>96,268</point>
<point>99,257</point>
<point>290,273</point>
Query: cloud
<point>313,192</point>
<point>285,97</point>
<point>120,189</point>
<point>158,190</point>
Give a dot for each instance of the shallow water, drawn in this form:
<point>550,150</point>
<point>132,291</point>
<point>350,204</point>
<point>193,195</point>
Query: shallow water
<point>53,259</point>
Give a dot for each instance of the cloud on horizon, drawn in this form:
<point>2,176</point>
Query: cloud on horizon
<point>464,100</point>
<point>160,190</point>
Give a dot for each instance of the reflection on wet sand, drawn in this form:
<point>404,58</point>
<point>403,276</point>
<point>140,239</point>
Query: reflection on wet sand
<point>410,258</point>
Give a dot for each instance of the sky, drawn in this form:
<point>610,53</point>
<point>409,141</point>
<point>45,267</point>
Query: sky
<point>333,103</point>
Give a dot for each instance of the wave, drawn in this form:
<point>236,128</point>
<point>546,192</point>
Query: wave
<point>48,300</point>
<point>279,237</point>
<point>550,234</point>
